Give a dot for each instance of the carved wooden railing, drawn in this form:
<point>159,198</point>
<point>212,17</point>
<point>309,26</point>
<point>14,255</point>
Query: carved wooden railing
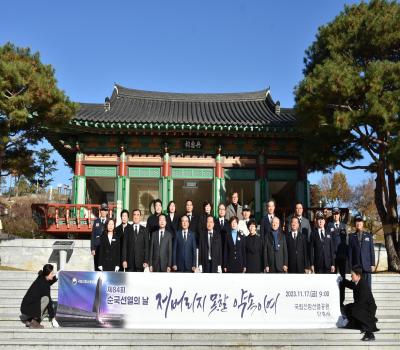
<point>67,219</point>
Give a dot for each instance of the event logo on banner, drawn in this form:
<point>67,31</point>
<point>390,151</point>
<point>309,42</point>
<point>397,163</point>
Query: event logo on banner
<point>195,300</point>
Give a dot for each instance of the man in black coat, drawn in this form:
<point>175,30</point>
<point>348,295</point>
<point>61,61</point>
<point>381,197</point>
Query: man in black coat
<point>97,230</point>
<point>210,252</point>
<point>135,248</point>
<point>338,231</point>
<point>361,313</point>
<point>297,248</point>
<point>152,220</point>
<point>275,249</point>
<point>222,225</point>
<point>322,258</point>
<point>266,221</point>
<point>160,256</point>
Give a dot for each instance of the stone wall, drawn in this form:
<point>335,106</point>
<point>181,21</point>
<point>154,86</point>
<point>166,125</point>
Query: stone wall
<point>32,254</point>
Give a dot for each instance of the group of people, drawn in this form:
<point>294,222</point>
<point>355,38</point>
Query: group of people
<point>232,243</point>
<point>228,243</point>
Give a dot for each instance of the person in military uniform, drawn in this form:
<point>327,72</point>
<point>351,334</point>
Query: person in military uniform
<point>361,250</point>
<point>338,231</point>
<point>97,230</point>
<point>322,258</point>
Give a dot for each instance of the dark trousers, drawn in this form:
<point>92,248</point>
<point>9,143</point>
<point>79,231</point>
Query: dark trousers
<point>367,277</point>
<point>208,267</point>
<point>96,259</point>
<point>364,324</point>
<point>341,265</point>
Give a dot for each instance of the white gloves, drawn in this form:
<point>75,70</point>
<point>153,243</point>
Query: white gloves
<point>101,268</point>
<point>146,269</point>
<point>54,323</point>
<point>219,269</point>
<point>200,268</point>
<point>116,268</point>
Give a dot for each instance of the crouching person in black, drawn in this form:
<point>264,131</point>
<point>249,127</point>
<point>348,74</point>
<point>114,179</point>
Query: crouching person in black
<point>361,313</point>
<point>37,299</point>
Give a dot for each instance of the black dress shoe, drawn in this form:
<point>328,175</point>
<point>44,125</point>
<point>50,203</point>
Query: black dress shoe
<point>368,336</point>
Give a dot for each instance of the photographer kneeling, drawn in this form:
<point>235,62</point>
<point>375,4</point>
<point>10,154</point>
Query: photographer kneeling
<point>37,299</point>
<point>361,313</point>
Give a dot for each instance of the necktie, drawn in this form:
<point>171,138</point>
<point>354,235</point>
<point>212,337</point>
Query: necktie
<point>336,226</point>
<point>185,235</point>
<point>209,244</point>
<point>270,219</point>
<point>321,233</point>
<point>135,230</point>
<point>294,235</point>
<point>103,221</point>
<point>222,222</point>
<point>161,235</point>
<point>300,220</point>
<point>190,218</point>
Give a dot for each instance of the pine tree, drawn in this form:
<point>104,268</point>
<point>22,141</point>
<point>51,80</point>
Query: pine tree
<point>349,103</point>
<point>31,105</point>
<point>46,166</point>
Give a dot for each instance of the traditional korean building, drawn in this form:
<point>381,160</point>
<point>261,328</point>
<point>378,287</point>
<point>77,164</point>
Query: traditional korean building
<point>142,145</point>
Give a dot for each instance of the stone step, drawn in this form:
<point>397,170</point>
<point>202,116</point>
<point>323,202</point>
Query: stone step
<point>388,322</point>
<point>19,293</point>
<point>176,334</point>
<point>189,344</point>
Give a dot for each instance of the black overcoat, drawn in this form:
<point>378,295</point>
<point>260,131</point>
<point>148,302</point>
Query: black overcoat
<point>361,313</point>
<point>30,305</point>
<point>110,254</point>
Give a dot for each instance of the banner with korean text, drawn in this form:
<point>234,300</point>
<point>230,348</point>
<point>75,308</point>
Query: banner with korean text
<point>196,300</point>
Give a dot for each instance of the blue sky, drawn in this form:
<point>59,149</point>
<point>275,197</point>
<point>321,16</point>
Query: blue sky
<point>180,46</point>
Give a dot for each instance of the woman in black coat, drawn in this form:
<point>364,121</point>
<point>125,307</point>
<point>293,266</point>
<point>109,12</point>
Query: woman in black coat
<point>207,211</point>
<point>173,219</point>
<point>37,299</point>
<point>110,248</point>
<point>254,250</point>
<point>235,248</point>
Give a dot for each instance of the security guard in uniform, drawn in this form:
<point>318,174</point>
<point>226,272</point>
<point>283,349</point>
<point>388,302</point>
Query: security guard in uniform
<point>97,230</point>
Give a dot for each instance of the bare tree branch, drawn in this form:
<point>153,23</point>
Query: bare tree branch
<point>355,167</point>
<point>8,94</point>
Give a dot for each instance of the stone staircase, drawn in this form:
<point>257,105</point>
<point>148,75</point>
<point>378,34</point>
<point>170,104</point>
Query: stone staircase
<point>14,335</point>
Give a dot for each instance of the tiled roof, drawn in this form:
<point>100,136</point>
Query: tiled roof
<point>129,106</point>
